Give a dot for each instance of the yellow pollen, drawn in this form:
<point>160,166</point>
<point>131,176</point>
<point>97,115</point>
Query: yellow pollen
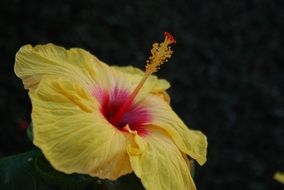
<point>160,53</point>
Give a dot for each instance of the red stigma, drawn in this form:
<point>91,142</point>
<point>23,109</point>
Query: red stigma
<point>170,37</point>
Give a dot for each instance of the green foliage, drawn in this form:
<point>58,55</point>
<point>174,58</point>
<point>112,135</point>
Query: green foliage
<point>56,178</point>
<point>30,132</point>
<point>31,171</point>
<point>17,172</point>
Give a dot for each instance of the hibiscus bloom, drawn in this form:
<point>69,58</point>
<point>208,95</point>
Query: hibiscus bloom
<point>107,121</point>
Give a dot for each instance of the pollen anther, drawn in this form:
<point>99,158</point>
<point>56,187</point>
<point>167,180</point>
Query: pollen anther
<point>160,53</point>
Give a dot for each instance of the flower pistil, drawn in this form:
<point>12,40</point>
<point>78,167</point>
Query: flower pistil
<point>160,53</point>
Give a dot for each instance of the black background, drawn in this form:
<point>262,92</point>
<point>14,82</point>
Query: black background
<point>226,72</point>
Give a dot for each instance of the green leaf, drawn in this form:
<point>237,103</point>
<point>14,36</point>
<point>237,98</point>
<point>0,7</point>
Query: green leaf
<point>16,172</point>
<point>54,177</point>
<point>32,171</point>
<point>30,132</point>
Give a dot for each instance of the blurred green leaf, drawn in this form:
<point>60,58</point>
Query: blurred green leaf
<point>54,177</point>
<point>31,171</point>
<point>16,172</point>
<point>30,132</point>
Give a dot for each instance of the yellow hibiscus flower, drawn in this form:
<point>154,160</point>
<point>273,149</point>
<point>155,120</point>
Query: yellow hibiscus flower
<point>107,121</point>
<point>279,176</point>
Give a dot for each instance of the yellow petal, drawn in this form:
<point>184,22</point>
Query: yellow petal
<point>191,142</point>
<point>73,135</point>
<point>33,63</point>
<point>160,84</point>
<point>279,176</point>
<point>153,85</point>
<point>159,164</point>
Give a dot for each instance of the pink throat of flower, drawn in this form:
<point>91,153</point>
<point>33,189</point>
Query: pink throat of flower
<point>135,116</point>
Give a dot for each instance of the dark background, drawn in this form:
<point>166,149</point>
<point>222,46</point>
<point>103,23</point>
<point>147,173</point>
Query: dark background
<point>226,72</point>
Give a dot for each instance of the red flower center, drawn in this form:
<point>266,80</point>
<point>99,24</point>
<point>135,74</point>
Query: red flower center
<point>135,116</point>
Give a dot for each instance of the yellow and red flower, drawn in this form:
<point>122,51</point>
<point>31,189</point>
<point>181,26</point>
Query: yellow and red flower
<point>107,121</point>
